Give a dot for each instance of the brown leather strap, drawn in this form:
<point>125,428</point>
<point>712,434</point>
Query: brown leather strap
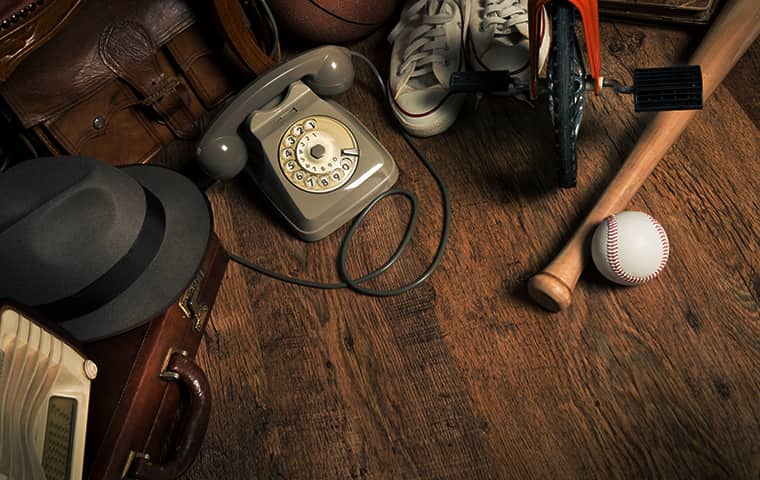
<point>239,33</point>
<point>192,378</point>
<point>128,50</point>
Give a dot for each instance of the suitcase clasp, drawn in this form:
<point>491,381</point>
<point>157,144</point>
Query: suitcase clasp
<point>191,307</point>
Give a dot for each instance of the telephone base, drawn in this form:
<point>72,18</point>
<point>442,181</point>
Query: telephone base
<point>319,165</point>
<point>320,230</point>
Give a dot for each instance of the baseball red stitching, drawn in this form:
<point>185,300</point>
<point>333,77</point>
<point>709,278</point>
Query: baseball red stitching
<point>614,260</point>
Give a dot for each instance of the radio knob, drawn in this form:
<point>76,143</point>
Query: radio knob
<point>90,369</point>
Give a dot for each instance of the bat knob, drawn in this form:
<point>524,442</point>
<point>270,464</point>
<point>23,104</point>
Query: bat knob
<point>549,292</point>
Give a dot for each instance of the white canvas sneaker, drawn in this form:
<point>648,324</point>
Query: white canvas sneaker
<point>499,38</point>
<point>428,47</point>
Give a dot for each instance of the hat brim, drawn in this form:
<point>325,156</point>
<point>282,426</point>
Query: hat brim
<point>187,234</point>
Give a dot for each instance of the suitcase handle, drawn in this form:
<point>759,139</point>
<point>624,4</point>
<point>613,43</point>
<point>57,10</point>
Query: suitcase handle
<point>184,370</point>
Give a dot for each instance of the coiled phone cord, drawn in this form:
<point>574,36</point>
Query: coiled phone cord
<point>356,283</point>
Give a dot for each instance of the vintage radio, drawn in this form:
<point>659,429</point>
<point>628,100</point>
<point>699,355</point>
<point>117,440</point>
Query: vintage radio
<point>44,401</point>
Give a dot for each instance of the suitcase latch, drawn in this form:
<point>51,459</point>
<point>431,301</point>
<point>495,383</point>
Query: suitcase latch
<point>191,307</point>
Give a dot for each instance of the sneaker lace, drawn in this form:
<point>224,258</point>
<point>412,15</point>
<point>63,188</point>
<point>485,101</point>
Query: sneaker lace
<point>427,41</point>
<point>501,16</point>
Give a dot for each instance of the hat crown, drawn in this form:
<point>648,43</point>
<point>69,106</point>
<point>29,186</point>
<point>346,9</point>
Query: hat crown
<point>65,222</point>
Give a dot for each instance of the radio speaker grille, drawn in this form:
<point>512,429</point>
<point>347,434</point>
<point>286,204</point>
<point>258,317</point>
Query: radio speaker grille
<point>44,395</point>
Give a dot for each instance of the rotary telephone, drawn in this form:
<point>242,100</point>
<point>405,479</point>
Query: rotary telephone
<point>314,161</point>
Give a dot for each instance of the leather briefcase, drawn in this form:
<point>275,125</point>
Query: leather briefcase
<point>122,80</point>
<point>150,404</point>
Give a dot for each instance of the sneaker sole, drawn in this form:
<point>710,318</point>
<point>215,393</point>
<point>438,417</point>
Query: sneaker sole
<point>432,123</point>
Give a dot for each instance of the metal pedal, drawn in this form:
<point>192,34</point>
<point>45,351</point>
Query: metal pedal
<point>487,82</point>
<point>667,88</point>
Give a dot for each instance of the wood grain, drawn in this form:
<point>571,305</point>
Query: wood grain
<point>464,377</point>
<point>725,42</point>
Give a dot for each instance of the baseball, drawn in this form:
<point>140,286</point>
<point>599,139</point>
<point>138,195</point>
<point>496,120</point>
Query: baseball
<point>630,248</point>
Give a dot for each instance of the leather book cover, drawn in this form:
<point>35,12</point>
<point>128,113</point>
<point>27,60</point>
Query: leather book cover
<point>694,12</point>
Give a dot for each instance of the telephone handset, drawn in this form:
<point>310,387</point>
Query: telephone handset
<point>317,164</point>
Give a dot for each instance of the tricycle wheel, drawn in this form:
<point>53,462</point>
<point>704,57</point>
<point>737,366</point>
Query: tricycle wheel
<point>566,77</point>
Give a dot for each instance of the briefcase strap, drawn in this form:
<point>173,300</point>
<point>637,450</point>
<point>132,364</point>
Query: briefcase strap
<point>239,34</point>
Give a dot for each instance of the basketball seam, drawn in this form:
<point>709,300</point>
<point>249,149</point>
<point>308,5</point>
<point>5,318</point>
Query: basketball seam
<point>354,22</point>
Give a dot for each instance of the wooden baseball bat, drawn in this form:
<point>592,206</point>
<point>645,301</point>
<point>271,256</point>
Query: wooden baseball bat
<point>733,31</point>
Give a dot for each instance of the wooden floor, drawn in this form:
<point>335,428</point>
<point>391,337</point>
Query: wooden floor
<point>464,377</point>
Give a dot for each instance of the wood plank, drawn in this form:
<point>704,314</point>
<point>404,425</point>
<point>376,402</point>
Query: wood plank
<point>464,377</point>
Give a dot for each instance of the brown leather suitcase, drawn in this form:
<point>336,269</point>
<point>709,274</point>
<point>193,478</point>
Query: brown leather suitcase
<point>150,404</point>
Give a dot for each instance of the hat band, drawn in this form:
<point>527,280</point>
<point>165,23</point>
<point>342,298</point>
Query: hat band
<point>123,274</point>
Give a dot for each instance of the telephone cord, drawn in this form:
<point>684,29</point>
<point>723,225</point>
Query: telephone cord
<point>356,283</point>
<point>273,24</point>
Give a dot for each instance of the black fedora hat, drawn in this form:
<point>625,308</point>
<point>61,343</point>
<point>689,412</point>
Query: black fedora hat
<point>99,249</point>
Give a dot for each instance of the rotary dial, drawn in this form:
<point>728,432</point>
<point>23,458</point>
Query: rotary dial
<point>318,154</point>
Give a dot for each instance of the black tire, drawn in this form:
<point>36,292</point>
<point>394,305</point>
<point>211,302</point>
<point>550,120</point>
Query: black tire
<point>566,77</point>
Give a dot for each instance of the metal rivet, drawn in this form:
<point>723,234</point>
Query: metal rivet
<point>22,13</point>
<point>5,24</point>
<point>99,122</point>
<point>14,18</point>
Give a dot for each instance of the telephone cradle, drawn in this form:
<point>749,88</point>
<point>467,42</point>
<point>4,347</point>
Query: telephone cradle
<point>315,162</point>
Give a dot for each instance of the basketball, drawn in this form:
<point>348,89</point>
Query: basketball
<point>332,21</point>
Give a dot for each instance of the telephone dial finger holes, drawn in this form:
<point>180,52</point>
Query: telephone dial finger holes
<point>319,147</point>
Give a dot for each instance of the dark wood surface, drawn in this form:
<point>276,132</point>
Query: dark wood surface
<point>464,377</point>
